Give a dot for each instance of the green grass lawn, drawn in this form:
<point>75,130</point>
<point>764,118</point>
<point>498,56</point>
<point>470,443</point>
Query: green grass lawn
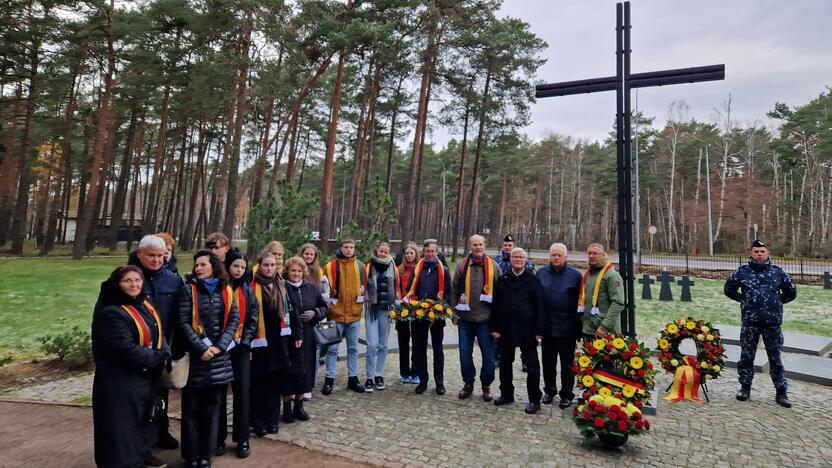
<point>48,296</point>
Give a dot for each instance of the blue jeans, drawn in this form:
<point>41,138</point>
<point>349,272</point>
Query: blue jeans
<point>377,325</point>
<point>349,333</point>
<point>482,332</point>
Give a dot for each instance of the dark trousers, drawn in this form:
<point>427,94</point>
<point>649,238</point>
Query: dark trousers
<point>552,349</point>
<point>241,389</point>
<point>200,417</point>
<point>161,423</point>
<point>403,331</point>
<point>773,340</point>
<point>507,370</point>
<point>265,405</point>
<point>420,330</point>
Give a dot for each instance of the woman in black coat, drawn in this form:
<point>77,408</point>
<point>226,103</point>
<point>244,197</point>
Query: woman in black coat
<point>208,321</point>
<point>305,299</point>
<point>275,348</point>
<point>129,355</point>
<point>236,265</point>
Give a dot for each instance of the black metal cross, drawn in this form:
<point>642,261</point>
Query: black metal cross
<point>622,83</point>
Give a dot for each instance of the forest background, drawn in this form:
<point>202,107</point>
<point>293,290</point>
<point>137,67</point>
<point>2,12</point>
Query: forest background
<point>183,116</point>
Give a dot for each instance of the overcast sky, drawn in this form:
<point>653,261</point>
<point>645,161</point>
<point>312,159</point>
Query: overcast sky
<point>772,51</point>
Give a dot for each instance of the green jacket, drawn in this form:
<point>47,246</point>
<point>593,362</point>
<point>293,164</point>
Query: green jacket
<point>610,302</point>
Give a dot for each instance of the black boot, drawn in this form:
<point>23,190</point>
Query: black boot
<point>354,385</point>
<point>288,416</point>
<point>327,388</point>
<point>299,412</point>
<point>782,398</point>
<point>744,393</point>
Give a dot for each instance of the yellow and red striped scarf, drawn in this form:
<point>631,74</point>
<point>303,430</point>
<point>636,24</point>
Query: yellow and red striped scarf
<point>488,279</point>
<point>595,293</point>
<point>144,332</point>
<point>260,340</point>
<point>417,273</point>
<point>240,299</point>
<point>227,300</point>
<point>333,273</point>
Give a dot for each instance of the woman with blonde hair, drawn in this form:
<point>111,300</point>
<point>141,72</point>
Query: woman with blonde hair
<point>314,273</point>
<point>409,261</point>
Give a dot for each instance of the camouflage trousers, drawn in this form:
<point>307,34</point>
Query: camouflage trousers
<point>773,341</point>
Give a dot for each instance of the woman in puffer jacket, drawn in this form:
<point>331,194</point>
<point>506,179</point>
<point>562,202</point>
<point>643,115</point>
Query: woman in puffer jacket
<point>208,321</point>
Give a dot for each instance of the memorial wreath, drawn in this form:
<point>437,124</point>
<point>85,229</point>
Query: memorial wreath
<point>615,366</point>
<point>710,355</point>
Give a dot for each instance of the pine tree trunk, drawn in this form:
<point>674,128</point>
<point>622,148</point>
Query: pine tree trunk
<point>460,186</point>
<point>117,216</point>
<point>202,147</point>
<point>471,223</point>
<point>9,166</point>
<point>325,221</point>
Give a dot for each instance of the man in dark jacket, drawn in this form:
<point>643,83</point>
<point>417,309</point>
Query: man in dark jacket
<point>430,280</point>
<point>561,287</point>
<point>161,287</point>
<point>761,288</point>
<point>473,291</point>
<point>504,260</point>
<point>517,320</point>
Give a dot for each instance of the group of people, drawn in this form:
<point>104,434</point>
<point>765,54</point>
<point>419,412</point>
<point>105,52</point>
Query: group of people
<point>251,324</point>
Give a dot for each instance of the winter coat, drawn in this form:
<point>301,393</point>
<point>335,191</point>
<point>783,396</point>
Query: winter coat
<point>480,311</point>
<point>381,286</point>
<point>250,321</point>
<point>125,383</point>
<point>302,298</point>
<point>610,302</point>
<point>211,307</point>
<point>347,291</point>
<point>517,314</point>
<point>281,350</point>
<point>561,289</point>
<point>161,288</point>
<point>761,289</point>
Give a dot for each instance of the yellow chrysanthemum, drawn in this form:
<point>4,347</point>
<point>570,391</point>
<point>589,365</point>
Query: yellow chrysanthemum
<point>584,361</point>
<point>588,381</point>
<point>618,343</point>
<point>392,314</point>
<point>674,362</point>
<point>420,313</point>
<point>703,364</point>
<point>605,392</point>
<point>438,307</point>
<point>690,325</point>
<point>664,344</point>
<point>636,362</point>
<point>628,391</point>
<point>425,305</point>
<point>672,329</point>
<point>581,408</point>
<point>598,344</point>
<point>709,337</point>
<point>700,337</point>
<point>431,315</point>
<point>405,313</point>
<point>709,376</point>
<point>717,368</point>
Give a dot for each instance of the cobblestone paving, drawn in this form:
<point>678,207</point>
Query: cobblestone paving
<point>396,427</point>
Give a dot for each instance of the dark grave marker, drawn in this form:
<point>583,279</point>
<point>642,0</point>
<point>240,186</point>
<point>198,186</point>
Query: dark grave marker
<point>827,280</point>
<point>666,279</point>
<point>646,292</point>
<point>686,283</point>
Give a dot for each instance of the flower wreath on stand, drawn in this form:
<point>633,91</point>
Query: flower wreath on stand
<point>427,309</point>
<point>616,377</point>
<point>689,370</point>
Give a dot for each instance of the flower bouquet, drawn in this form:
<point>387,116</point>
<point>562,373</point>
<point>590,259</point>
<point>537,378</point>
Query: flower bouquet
<point>611,419</point>
<point>427,309</point>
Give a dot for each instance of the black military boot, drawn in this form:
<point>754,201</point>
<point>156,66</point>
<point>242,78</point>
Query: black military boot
<point>782,398</point>
<point>744,393</point>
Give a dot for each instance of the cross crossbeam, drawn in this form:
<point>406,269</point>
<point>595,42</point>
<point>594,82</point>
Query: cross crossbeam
<point>622,82</point>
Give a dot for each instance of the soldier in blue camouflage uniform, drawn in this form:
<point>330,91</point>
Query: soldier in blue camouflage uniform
<point>762,289</point>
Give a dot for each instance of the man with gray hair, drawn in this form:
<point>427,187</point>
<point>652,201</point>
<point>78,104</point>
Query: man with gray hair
<point>161,286</point>
<point>472,295</point>
<point>561,288</point>
<point>601,298</point>
<point>517,321</point>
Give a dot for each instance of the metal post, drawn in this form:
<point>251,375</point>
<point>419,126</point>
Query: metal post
<point>710,218</point>
<point>627,169</point>
<point>637,244</point>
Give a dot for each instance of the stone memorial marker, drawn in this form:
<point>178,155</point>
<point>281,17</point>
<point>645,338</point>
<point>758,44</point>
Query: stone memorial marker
<point>686,283</point>
<point>646,292</point>
<point>666,279</point>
